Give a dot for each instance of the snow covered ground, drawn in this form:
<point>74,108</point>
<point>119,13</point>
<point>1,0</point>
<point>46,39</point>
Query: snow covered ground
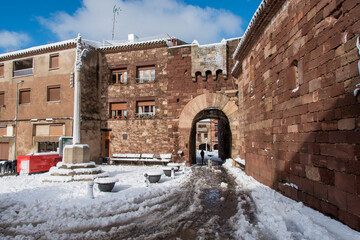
<point>281,217</point>
<point>32,209</point>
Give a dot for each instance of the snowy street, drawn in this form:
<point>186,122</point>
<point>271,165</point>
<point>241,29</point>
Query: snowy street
<point>200,204</point>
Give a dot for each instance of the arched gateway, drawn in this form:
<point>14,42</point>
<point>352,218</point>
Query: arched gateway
<point>210,105</point>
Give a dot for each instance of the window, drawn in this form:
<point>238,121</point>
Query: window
<point>119,76</point>
<point>23,67</point>
<point>49,130</point>
<point>199,137</point>
<point>118,110</point>
<point>24,96</point>
<point>2,98</point>
<point>216,136</point>
<point>48,146</point>
<point>54,61</point>
<point>145,74</point>
<point>3,130</point>
<point>145,108</point>
<point>205,135</point>
<point>293,78</point>
<point>1,69</point>
<point>53,93</point>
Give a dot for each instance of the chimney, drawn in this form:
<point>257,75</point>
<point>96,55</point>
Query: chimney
<point>132,37</point>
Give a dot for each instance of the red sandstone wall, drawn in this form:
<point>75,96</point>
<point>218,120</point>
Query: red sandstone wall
<point>310,137</point>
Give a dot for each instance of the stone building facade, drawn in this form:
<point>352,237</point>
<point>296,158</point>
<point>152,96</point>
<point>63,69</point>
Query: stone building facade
<point>145,86</point>
<point>299,119</point>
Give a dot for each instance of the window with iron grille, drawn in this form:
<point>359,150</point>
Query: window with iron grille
<point>48,146</point>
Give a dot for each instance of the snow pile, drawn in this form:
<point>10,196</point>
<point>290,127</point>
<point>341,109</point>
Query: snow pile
<point>280,217</point>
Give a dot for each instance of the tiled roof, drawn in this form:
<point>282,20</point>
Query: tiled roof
<point>135,45</point>
<point>39,49</point>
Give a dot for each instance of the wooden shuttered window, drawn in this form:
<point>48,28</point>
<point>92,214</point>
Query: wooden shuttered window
<point>3,131</point>
<point>118,110</point>
<point>2,98</point>
<point>53,93</point>
<point>56,130</point>
<point>1,70</point>
<point>54,61</point>
<point>49,130</point>
<point>145,108</point>
<point>24,96</point>
<point>4,151</point>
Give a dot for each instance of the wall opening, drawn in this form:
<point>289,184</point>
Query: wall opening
<point>217,125</point>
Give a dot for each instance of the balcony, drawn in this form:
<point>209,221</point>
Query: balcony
<point>23,72</point>
<point>145,115</point>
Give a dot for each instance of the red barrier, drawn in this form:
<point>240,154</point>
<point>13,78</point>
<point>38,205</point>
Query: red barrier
<point>38,162</point>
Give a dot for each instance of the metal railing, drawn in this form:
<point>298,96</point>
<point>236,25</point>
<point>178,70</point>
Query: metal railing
<point>145,80</point>
<point>145,115</point>
<point>23,72</point>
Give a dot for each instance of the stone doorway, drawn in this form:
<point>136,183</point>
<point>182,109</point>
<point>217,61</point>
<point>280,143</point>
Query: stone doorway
<point>224,136</point>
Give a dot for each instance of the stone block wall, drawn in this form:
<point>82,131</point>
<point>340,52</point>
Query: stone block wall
<point>135,135</point>
<point>306,136</point>
<point>182,90</point>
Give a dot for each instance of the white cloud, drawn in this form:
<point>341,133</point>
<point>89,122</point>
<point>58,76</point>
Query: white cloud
<point>13,40</point>
<point>145,18</point>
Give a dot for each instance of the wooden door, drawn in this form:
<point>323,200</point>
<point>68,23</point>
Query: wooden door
<point>106,144</point>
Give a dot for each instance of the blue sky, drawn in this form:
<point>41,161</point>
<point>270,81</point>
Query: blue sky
<point>30,23</point>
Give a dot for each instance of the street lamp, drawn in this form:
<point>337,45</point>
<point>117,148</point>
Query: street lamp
<point>16,114</point>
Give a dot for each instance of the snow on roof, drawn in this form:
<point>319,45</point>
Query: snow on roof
<point>49,47</point>
<point>137,42</point>
<point>41,48</point>
<point>261,17</point>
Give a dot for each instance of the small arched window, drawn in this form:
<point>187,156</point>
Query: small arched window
<point>198,76</point>
<point>219,75</point>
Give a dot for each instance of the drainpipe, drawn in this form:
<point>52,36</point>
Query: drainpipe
<point>16,114</point>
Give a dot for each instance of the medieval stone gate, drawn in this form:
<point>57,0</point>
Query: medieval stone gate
<point>209,105</point>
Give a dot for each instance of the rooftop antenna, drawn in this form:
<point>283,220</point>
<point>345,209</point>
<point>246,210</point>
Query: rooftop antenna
<point>116,11</point>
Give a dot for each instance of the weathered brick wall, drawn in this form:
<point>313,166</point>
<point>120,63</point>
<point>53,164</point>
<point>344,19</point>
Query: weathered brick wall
<point>309,137</point>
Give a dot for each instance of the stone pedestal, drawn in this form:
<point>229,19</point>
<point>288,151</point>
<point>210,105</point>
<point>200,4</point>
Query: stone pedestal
<point>78,153</point>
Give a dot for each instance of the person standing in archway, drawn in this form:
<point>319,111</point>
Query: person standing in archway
<point>202,154</point>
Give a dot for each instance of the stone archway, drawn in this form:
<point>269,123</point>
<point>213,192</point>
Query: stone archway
<point>205,102</point>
